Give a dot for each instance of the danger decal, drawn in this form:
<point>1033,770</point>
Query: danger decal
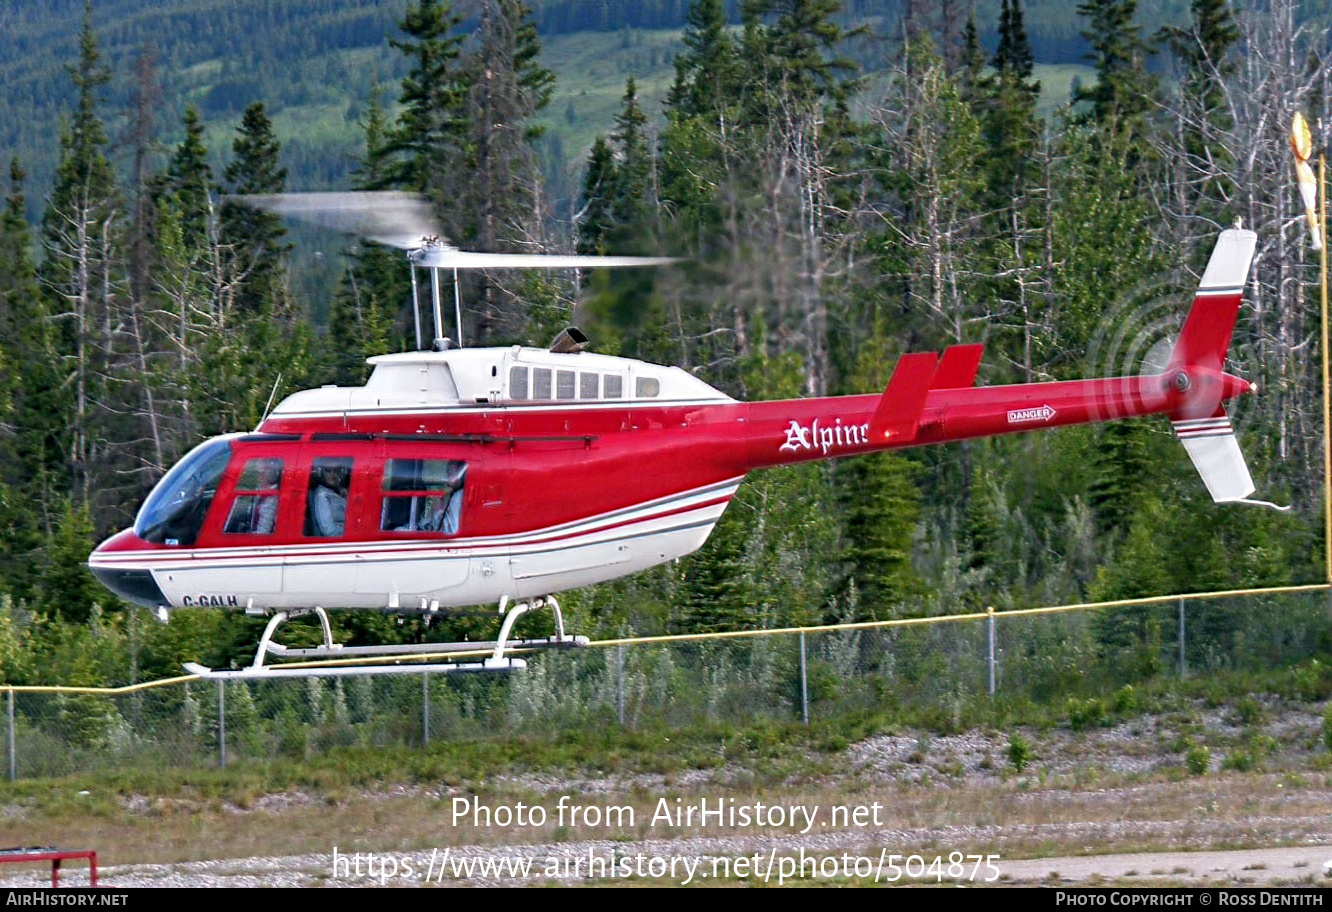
<point>1028,415</point>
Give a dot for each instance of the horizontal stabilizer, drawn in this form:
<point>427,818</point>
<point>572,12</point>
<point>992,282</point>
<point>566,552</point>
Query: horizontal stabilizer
<point>957,367</point>
<point>1216,455</point>
<point>903,403</point>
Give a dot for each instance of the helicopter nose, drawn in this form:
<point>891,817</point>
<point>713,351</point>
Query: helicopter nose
<point>133,584</point>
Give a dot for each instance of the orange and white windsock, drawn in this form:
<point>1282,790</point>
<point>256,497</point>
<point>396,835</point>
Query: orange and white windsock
<point>1301,143</point>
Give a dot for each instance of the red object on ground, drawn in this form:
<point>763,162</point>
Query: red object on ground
<point>53,855</point>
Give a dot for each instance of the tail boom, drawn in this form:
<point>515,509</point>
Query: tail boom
<point>930,399</point>
<point>800,430</point>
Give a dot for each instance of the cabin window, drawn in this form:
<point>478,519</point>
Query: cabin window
<point>587,385</point>
<point>330,482</point>
<point>647,387</point>
<point>255,509</point>
<point>564,384</point>
<point>540,383</point>
<point>517,383</point>
<point>422,495</point>
<point>174,513</point>
<point>614,388</point>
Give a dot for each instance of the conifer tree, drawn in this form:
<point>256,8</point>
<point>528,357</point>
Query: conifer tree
<point>620,218</point>
<point>969,77</point>
<point>880,510</point>
<point>146,96</point>
<point>1010,123</point>
<point>1012,57</point>
<point>79,230</point>
<point>189,178</point>
<point>366,316</point>
<point>1012,226</point>
<point>595,220</point>
<point>432,126</point>
<point>271,333</point>
<point>799,158</point>
<point>255,237</point>
<point>705,72</point>
<point>30,404</point>
<point>508,87</point>
<point>20,303</point>
<point>702,117</point>
<point>632,203</point>
<point>1203,49</point>
<point>1122,96</point>
<point>66,587</point>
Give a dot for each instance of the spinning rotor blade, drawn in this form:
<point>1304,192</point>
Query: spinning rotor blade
<point>407,221</point>
<point>452,258</point>
<point>392,218</point>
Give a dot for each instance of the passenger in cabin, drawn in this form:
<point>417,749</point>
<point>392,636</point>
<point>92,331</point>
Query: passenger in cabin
<point>328,502</point>
<point>265,517</point>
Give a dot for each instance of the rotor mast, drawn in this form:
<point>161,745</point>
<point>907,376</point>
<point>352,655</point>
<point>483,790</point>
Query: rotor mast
<point>421,257</point>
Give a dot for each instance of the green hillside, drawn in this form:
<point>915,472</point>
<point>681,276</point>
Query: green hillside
<point>315,62</point>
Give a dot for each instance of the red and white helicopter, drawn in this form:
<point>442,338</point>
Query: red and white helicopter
<point>460,477</point>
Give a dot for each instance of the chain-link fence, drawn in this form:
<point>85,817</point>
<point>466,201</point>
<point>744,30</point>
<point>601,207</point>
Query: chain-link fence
<point>933,667</point>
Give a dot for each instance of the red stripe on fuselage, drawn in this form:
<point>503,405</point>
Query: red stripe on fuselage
<point>409,549</point>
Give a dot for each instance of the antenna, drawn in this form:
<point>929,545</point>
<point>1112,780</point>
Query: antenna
<point>269,405</point>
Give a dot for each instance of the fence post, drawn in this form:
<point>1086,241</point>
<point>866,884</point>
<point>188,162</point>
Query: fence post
<point>619,684</point>
<point>989,622</point>
<point>425,708</point>
<point>1183,668</point>
<point>222,723</point>
<point>804,681</point>
<point>13,744</point>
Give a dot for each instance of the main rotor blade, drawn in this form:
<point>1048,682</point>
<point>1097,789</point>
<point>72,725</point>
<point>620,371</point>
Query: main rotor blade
<point>451,258</point>
<point>392,218</point>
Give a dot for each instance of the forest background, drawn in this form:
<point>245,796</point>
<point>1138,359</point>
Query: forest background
<point>847,182</point>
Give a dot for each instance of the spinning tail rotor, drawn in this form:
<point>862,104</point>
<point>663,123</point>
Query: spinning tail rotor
<point>1197,371</point>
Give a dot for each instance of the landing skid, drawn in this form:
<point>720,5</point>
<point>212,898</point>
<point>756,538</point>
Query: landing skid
<point>336,660</point>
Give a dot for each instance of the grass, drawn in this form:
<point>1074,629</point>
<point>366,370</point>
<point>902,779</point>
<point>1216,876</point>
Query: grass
<point>1071,795</point>
<point>364,799</point>
<point>197,823</point>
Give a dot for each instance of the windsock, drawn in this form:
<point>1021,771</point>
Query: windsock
<point>1301,143</point>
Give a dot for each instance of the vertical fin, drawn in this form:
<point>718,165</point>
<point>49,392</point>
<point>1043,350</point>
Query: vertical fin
<point>957,367</point>
<point>903,402</point>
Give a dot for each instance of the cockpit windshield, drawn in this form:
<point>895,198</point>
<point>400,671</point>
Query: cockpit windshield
<point>175,511</point>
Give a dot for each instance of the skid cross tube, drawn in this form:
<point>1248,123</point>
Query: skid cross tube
<point>356,660</point>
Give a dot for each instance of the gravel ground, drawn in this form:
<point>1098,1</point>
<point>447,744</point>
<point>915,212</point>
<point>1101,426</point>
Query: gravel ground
<point>1295,866</point>
<point>1074,815</point>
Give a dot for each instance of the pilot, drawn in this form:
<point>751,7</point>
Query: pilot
<point>329,501</point>
<point>442,511</point>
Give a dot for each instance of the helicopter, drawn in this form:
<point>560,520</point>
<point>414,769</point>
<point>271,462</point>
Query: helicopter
<point>465,476</point>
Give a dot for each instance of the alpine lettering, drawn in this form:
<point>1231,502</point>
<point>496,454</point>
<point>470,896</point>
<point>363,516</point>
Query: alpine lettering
<point>824,438</point>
